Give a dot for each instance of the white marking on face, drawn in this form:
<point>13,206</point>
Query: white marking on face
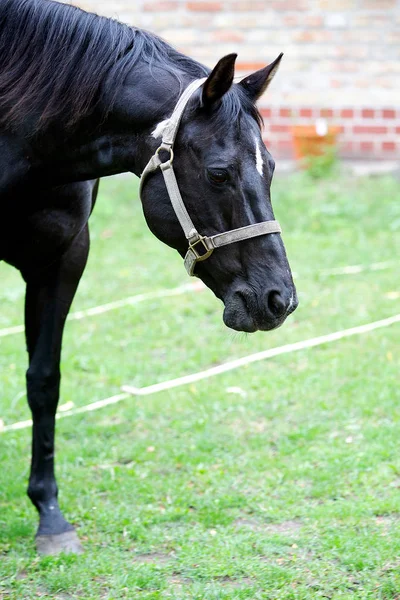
<point>159,130</point>
<point>259,158</point>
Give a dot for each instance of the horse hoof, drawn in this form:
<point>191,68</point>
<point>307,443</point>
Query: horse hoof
<point>67,542</point>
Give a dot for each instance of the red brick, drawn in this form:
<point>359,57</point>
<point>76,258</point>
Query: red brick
<point>312,36</point>
<point>291,20</point>
<point>287,5</point>
<point>398,130</point>
<point>360,19</point>
<point>347,113</point>
<point>388,113</point>
<point>345,66</point>
<point>327,113</point>
<point>362,83</point>
<point>379,4</point>
<point>275,128</point>
<point>357,51</point>
<point>306,112</point>
<point>389,146</point>
<point>266,113</point>
<point>367,113</point>
<point>367,146</point>
<point>373,129</point>
<point>314,21</point>
<point>282,148</point>
<point>304,36</point>
<point>335,5</point>
<point>249,6</point>
<point>285,146</point>
<point>347,147</point>
<point>227,36</point>
<point>204,6</point>
<point>160,6</point>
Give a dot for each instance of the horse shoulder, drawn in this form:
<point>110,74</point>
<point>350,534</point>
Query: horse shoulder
<point>47,223</point>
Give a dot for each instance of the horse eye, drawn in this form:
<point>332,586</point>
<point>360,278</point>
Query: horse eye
<point>218,175</point>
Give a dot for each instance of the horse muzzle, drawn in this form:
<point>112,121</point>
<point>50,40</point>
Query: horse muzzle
<point>249,311</point>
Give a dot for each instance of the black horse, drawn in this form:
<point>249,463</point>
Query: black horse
<point>82,97</point>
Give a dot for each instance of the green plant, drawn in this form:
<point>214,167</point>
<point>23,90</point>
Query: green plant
<point>322,167</point>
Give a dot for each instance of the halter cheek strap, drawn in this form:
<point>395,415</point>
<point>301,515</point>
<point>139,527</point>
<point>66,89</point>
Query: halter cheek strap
<point>200,247</point>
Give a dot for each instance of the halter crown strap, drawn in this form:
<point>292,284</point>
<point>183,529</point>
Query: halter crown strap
<point>200,247</point>
<point>171,129</point>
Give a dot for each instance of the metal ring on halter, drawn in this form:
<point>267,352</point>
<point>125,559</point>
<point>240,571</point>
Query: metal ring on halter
<point>168,162</point>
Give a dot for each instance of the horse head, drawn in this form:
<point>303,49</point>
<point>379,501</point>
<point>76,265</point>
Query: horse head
<point>223,174</point>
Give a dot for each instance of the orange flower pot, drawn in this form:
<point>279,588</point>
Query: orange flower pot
<point>307,142</point>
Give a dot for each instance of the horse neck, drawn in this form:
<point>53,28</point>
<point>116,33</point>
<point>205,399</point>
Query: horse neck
<point>124,141</point>
<point>148,98</point>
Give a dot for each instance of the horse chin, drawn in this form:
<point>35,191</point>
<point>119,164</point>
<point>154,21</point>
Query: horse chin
<point>239,322</point>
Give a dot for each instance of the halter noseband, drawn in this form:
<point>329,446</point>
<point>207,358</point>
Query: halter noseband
<point>200,247</point>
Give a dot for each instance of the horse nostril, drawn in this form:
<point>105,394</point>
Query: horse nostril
<point>276,304</point>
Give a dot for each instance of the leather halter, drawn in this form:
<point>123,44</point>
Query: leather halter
<point>200,247</point>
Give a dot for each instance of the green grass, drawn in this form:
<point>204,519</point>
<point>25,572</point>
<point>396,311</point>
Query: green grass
<point>289,489</point>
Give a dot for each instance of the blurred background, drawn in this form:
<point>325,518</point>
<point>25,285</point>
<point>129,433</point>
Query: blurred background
<point>341,64</point>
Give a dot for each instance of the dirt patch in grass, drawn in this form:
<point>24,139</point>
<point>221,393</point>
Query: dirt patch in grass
<point>391,566</point>
<point>21,575</point>
<point>40,590</point>
<point>177,581</point>
<point>227,581</point>
<point>156,558</point>
<point>286,527</point>
<point>242,426</point>
<point>386,520</point>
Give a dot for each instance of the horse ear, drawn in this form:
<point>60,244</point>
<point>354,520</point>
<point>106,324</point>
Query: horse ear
<point>220,80</point>
<point>256,84</point>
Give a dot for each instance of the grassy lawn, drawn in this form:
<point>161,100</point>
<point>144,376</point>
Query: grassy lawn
<point>276,481</point>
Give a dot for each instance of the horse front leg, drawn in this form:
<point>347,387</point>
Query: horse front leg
<point>48,300</point>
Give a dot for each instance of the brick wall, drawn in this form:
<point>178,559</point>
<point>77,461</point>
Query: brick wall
<point>342,59</point>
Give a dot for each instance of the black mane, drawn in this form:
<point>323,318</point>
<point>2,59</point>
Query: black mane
<point>55,58</point>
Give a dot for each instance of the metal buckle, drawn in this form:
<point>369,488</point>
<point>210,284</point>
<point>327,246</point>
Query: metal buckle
<point>208,251</point>
<point>167,163</point>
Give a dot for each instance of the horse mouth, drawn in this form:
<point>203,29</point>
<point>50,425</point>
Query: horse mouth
<point>244,322</point>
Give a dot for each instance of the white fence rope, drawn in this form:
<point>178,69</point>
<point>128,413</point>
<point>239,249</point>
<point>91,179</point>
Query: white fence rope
<point>213,371</point>
<point>130,301</point>
<point>190,287</point>
<point>354,269</point>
